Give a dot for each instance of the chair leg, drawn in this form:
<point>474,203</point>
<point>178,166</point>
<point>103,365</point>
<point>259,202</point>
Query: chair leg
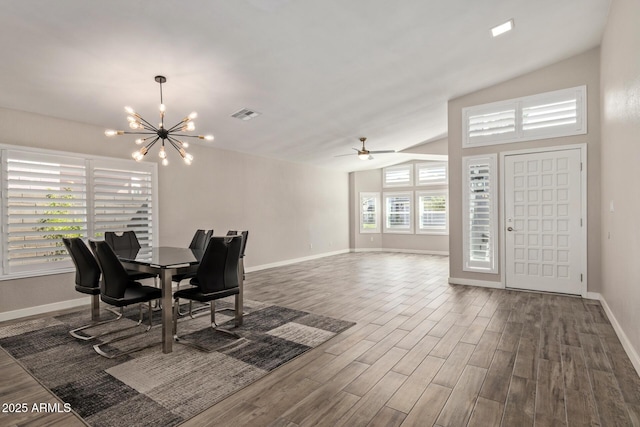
<point>103,353</point>
<point>214,326</point>
<point>74,332</point>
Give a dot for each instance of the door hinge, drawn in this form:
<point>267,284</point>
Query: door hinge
<point>580,222</point>
<point>580,166</point>
<point>581,277</point>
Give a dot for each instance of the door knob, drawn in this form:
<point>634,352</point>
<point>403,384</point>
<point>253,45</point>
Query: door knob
<point>510,229</point>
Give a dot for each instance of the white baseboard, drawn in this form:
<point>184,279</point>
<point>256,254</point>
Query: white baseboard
<point>295,260</point>
<point>480,283</point>
<point>628,347</point>
<point>402,251</point>
<point>46,308</point>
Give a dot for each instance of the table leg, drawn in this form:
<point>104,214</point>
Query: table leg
<point>167,312</point>
<point>95,307</point>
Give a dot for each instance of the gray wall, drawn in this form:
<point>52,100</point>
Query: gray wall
<point>371,181</point>
<point>620,89</point>
<point>292,210</point>
<point>579,70</point>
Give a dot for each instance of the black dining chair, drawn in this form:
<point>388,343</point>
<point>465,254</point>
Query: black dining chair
<point>198,242</point>
<point>120,291</point>
<point>87,282</point>
<point>245,236</point>
<point>217,277</point>
<point>127,240</point>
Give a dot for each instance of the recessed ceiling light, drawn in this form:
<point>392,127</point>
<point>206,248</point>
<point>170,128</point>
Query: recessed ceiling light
<point>502,28</point>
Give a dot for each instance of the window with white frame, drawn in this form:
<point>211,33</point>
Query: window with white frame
<point>432,212</point>
<point>480,210</point>
<point>546,115</point>
<point>47,195</point>
<point>397,176</point>
<point>397,212</point>
<point>370,212</point>
<point>431,173</point>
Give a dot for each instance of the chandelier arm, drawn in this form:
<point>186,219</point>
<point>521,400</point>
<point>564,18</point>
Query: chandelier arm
<point>182,134</point>
<point>176,126</point>
<point>175,146</point>
<point>175,142</point>
<point>152,142</point>
<point>147,123</point>
<point>138,133</point>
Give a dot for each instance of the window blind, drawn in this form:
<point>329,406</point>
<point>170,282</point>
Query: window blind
<point>432,212</point>
<point>492,124</point>
<point>369,205</point>
<point>432,173</point>
<point>397,176</point>
<point>46,200</point>
<point>398,212</point>
<point>480,214</point>
<point>123,201</point>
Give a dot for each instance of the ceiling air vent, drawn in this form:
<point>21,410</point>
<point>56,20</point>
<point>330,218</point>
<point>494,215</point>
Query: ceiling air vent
<point>245,114</point>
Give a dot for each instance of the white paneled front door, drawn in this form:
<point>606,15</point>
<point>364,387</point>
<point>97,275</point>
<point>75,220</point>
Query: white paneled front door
<point>544,244</point>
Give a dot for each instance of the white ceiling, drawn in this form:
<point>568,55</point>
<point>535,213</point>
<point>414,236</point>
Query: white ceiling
<point>322,73</point>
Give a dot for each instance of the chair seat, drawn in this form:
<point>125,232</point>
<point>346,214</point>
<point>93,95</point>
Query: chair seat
<point>90,290</point>
<point>134,293</point>
<point>197,295</point>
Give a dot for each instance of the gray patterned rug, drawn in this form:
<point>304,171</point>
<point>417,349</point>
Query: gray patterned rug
<point>149,388</point>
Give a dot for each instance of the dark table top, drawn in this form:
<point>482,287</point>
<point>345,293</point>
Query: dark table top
<point>161,256</point>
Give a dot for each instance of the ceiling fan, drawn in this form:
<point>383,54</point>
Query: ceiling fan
<point>364,154</point>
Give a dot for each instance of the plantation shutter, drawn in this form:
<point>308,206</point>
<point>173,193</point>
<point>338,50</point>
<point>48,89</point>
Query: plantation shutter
<point>123,200</point>
<point>480,214</point>
<point>553,113</point>
<point>369,205</point>
<point>398,176</point>
<point>46,200</point>
<point>432,212</point>
<point>398,212</point>
<point>432,173</point>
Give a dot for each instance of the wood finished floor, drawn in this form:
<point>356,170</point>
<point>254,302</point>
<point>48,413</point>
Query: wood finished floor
<point>422,353</point>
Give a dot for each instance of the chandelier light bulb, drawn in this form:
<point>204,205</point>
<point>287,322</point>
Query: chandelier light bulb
<point>130,110</point>
<point>110,132</point>
<point>163,108</point>
<point>191,126</point>
<point>206,137</point>
<point>165,162</point>
<point>192,115</point>
<point>185,144</point>
<point>139,141</point>
<point>162,153</point>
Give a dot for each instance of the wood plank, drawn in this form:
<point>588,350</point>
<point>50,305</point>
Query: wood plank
<point>454,365</point>
<point>609,400</point>
<point>487,413</point>
<point>520,405</point>
<point>428,407</point>
<point>550,405</point>
<point>483,354</point>
<point>387,417</point>
<point>368,379</point>
<point>496,384</point>
<point>409,393</point>
<point>459,406</point>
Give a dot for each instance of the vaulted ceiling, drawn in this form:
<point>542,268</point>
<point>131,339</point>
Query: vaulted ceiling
<point>321,73</point>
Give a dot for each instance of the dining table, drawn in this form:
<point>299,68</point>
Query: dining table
<point>164,261</point>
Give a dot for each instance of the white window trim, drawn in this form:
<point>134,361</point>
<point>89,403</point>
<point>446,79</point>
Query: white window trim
<point>88,159</point>
<point>409,195</point>
<point>429,230</point>
<point>490,266</point>
<point>376,197</point>
<point>422,165</point>
<point>408,168</point>
<point>518,104</point>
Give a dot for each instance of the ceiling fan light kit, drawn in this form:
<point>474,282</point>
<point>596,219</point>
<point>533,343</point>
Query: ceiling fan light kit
<point>167,135</point>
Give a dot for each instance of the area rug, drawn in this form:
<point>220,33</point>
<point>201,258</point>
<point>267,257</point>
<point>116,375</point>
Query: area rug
<point>149,388</point>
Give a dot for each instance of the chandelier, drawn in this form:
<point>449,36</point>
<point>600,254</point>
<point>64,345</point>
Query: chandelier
<point>167,135</point>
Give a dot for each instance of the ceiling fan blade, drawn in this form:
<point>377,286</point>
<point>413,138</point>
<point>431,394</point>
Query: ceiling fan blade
<point>344,155</point>
<point>382,151</point>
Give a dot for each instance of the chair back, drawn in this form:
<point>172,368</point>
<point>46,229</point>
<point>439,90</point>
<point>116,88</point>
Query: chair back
<point>218,269</point>
<point>245,236</point>
<point>87,268</point>
<point>124,240</point>
<point>114,276</point>
<point>200,239</point>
